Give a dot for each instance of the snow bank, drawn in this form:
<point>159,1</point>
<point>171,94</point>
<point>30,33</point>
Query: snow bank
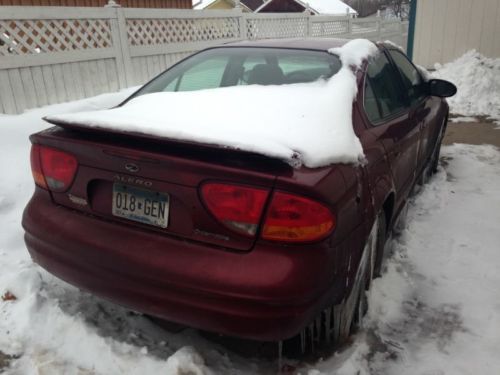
<point>478,81</point>
<point>309,123</point>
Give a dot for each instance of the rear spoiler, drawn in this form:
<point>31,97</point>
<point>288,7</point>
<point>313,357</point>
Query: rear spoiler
<point>223,151</point>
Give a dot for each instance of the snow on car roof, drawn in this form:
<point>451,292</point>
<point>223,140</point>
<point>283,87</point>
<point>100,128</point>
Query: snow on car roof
<point>305,123</point>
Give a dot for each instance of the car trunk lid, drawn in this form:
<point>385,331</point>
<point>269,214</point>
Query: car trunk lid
<point>167,173</point>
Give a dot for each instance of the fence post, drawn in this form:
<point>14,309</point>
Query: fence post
<point>309,24</point>
<point>379,29</point>
<point>119,30</point>
<point>242,24</point>
<point>349,26</point>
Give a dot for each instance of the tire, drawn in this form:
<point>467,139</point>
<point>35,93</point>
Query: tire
<point>372,270</point>
<point>380,253</point>
<point>334,324</point>
<point>434,162</point>
<point>435,158</point>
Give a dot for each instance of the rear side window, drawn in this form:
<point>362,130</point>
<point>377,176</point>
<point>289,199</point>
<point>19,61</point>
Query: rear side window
<point>412,79</point>
<point>383,95</point>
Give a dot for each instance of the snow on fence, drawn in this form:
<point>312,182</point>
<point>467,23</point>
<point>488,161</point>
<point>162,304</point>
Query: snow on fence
<point>55,54</point>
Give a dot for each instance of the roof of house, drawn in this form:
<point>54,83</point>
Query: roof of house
<point>317,6</point>
<point>336,7</point>
<point>329,6</point>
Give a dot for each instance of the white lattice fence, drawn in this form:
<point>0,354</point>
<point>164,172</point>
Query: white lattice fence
<point>181,30</point>
<point>365,27</point>
<point>38,36</point>
<point>51,54</point>
<point>330,26</point>
<point>158,39</point>
<point>259,26</point>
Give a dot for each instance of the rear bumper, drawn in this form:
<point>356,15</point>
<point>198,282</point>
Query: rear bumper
<point>267,294</point>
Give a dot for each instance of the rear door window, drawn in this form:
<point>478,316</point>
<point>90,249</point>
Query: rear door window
<point>383,94</point>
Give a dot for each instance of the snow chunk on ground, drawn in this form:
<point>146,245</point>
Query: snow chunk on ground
<point>309,123</point>
<point>478,81</point>
<point>463,119</point>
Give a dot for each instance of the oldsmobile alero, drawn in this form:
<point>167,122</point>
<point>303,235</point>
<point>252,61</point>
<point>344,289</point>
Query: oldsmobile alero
<point>231,241</point>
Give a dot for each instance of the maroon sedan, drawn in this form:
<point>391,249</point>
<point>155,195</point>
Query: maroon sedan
<point>231,241</point>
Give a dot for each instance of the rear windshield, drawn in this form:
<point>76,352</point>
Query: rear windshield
<point>234,66</point>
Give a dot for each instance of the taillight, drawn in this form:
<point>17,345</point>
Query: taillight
<point>52,169</point>
<point>292,218</point>
<point>289,218</point>
<point>36,166</point>
<point>237,207</point>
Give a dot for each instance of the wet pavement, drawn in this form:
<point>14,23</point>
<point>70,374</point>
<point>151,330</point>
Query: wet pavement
<point>474,133</point>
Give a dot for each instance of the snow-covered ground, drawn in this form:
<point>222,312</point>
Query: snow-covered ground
<point>436,309</point>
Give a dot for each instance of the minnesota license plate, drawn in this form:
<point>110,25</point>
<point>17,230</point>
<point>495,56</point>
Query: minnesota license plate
<point>140,205</point>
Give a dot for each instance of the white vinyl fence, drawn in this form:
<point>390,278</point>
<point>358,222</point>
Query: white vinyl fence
<point>55,54</point>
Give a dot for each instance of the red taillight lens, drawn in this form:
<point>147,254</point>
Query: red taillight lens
<point>36,166</point>
<point>291,218</point>
<point>52,169</point>
<point>237,207</point>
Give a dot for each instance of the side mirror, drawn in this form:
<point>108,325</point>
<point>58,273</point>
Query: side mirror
<point>441,88</point>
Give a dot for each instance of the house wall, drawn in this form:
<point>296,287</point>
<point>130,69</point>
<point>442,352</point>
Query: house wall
<point>446,29</point>
<point>220,4</point>
<point>179,4</point>
<point>54,54</point>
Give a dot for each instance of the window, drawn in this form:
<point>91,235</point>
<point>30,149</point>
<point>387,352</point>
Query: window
<point>231,66</point>
<point>307,68</point>
<point>206,75</point>
<point>412,79</point>
<point>371,106</point>
<point>382,90</point>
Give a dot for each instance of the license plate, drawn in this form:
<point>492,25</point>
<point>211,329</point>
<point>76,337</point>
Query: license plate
<point>140,205</point>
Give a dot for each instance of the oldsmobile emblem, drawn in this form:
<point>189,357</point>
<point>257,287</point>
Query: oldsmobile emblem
<point>131,167</point>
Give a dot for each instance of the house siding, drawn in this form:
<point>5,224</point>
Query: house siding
<point>178,4</point>
<point>446,29</point>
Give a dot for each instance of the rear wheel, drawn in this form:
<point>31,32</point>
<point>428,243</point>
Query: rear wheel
<point>434,163</point>
<point>335,323</point>
<point>380,252</point>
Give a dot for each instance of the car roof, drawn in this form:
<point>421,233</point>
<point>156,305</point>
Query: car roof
<point>320,44</point>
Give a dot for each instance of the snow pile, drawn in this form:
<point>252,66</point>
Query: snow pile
<point>309,123</point>
<point>478,81</point>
